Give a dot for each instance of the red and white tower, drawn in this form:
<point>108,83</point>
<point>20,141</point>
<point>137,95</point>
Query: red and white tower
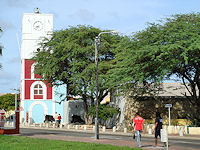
<point>37,98</point>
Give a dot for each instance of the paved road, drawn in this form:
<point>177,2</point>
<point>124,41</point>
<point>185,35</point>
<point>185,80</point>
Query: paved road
<point>175,143</point>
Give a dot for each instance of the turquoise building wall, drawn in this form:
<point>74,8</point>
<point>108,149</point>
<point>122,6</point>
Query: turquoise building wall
<point>37,109</point>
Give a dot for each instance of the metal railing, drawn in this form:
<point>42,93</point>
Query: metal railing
<point>7,122</point>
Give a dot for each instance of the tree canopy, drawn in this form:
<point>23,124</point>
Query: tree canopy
<point>166,50</point>
<point>7,102</point>
<point>169,49</point>
<point>68,57</point>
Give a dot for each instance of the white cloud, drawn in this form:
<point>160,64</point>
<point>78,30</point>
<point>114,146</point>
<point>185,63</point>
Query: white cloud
<point>6,25</point>
<point>84,15</point>
<point>16,3</point>
<point>5,75</point>
<point>8,82</point>
<point>114,15</point>
<point>14,60</point>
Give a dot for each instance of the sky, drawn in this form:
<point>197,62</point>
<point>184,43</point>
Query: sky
<point>126,16</point>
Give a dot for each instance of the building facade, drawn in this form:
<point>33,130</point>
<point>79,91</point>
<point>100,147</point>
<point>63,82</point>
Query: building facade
<point>37,98</point>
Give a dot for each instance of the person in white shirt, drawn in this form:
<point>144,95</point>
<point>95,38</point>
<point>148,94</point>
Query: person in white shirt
<point>56,119</point>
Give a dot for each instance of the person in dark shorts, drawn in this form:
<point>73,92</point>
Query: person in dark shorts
<point>158,126</point>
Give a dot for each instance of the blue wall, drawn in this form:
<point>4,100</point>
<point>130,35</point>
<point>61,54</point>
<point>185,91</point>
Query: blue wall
<point>39,116</point>
<point>59,95</point>
<point>38,110</point>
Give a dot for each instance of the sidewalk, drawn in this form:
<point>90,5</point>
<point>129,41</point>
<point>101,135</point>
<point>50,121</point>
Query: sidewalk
<point>118,142</point>
<point>109,131</point>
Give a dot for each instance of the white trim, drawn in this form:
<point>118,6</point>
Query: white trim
<point>22,112</point>
<point>22,89</point>
<point>37,103</point>
<point>53,101</point>
<point>22,69</point>
<point>41,99</point>
<point>22,79</point>
<point>32,79</point>
<point>32,71</point>
<point>43,87</point>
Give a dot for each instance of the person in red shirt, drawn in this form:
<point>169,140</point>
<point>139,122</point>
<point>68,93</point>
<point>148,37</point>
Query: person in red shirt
<point>138,127</point>
<point>59,120</point>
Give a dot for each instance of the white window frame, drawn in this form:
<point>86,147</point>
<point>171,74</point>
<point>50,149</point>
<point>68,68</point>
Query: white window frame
<point>44,88</point>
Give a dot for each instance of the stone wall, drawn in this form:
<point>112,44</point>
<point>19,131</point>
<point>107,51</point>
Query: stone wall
<point>148,106</point>
<point>120,102</point>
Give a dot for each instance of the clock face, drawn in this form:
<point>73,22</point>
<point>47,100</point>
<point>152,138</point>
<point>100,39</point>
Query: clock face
<point>37,25</point>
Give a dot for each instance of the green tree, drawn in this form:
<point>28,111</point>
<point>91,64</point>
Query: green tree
<point>105,112</point>
<point>68,58</point>
<point>7,102</point>
<point>169,49</point>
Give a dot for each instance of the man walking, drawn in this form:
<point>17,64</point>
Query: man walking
<point>138,127</point>
<point>158,126</point>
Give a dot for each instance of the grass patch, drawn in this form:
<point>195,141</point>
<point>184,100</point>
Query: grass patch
<point>26,143</point>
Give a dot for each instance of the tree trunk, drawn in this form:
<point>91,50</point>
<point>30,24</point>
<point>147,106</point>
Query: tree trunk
<point>85,109</point>
<point>92,100</point>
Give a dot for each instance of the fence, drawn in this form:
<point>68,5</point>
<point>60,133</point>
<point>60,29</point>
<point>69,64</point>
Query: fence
<point>9,122</point>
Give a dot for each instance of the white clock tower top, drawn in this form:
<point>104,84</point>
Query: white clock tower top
<point>35,26</point>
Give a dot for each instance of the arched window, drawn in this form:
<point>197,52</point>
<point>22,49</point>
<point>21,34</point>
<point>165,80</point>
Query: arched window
<point>38,89</point>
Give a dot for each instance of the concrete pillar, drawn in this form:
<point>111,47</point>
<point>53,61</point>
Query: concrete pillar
<point>61,126</point>
<point>125,130</point>
<point>171,129</point>
<point>76,127</point>
<point>85,127</point>
<point>40,125</point>
<point>114,129</point>
<point>6,123</point>
<point>150,131</point>
<point>104,129</point>
<point>186,130</point>
<point>93,128</point>
<point>180,132</point>
<point>54,125</point>
<point>68,126</point>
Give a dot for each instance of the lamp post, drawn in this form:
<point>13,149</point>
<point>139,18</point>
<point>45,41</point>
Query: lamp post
<point>169,106</point>
<point>97,43</point>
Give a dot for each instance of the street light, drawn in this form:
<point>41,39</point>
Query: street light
<point>97,43</point>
